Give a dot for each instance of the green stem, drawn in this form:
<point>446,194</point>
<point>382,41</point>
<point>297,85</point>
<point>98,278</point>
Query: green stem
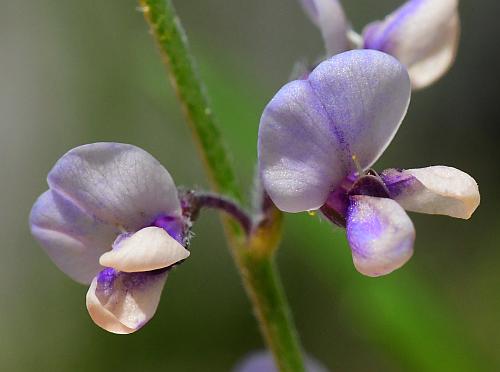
<point>172,41</point>
<point>271,307</point>
<point>253,256</point>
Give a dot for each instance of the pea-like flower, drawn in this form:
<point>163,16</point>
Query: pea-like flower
<point>262,361</point>
<point>112,219</point>
<point>422,34</point>
<point>318,138</point>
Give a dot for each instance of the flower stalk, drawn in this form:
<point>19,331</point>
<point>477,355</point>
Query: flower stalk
<point>254,255</point>
<point>193,202</point>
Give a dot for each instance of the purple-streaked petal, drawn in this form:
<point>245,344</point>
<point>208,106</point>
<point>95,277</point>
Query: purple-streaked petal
<point>73,239</point>
<point>434,190</point>
<point>351,105</point>
<point>148,249</point>
<point>365,94</point>
<point>380,234</point>
<point>329,17</point>
<point>123,302</point>
<point>422,34</point>
<point>117,183</point>
<point>262,361</point>
<point>299,158</point>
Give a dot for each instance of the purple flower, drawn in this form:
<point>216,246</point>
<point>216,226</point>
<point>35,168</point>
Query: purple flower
<point>329,17</point>
<point>112,219</point>
<point>318,138</point>
<point>422,34</point>
<point>262,361</point>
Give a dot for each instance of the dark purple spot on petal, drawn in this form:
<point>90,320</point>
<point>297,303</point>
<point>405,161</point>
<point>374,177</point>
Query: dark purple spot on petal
<point>397,181</point>
<point>335,208</point>
<point>172,225</point>
<point>110,280</point>
<point>369,185</point>
<point>120,239</point>
<point>105,281</point>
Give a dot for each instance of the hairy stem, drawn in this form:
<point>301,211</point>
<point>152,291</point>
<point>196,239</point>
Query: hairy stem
<point>253,255</point>
<point>196,201</point>
<point>172,41</point>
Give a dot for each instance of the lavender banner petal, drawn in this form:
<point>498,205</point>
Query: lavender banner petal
<point>422,34</point>
<point>117,183</point>
<point>351,105</point>
<point>298,156</point>
<point>365,94</point>
<point>73,239</point>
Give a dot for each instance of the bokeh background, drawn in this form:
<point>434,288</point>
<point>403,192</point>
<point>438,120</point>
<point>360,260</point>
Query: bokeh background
<point>74,72</point>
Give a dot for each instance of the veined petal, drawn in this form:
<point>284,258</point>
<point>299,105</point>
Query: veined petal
<point>365,94</point>
<point>73,239</point>
<point>298,156</point>
<point>422,34</point>
<point>329,17</point>
<point>434,190</point>
<point>117,183</point>
<point>123,302</point>
<point>148,249</point>
<point>380,233</point>
<point>351,104</point>
<point>262,361</point>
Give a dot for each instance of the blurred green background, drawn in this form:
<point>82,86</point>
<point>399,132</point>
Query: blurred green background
<point>75,72</point>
